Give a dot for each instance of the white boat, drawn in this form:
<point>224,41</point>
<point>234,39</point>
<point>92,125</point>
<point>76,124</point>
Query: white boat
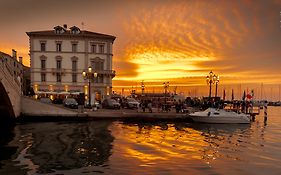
<point>212,115</point>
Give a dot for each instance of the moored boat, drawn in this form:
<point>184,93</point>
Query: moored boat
<point>212,115</point>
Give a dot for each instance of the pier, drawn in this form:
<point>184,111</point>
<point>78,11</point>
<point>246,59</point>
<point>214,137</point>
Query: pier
<point>36,111</point>
<point>253,112</point>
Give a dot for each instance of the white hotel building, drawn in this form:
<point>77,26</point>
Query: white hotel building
<point>58,57</point>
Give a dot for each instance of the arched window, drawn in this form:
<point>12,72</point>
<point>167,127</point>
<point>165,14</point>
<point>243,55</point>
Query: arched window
<point>75,30</point>
<point>59,30</point>
<point>97,63</point>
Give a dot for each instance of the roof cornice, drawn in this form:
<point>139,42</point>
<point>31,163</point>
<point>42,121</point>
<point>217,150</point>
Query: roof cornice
<point>83,34</point>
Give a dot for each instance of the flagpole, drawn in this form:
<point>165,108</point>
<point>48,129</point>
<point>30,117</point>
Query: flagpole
<point>244,102</point>
<point>279,92</point>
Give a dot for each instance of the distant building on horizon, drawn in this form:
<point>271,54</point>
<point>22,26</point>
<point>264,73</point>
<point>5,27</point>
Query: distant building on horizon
<point>58,57</point>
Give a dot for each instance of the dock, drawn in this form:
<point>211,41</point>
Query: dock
<point>255,110</point>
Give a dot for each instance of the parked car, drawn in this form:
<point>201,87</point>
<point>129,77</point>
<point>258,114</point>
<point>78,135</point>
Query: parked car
<point>71,103</point>
<point>132,103</point>
<point>58,101</point>
<point>46,100</point>
<point>110,104</point>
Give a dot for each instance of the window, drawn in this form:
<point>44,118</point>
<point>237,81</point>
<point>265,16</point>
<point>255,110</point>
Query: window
<point>43,77</point>
<point>97,65</point>
<point>74,78</point>
<point>58,47</point>
<point>74,30</point>
<point>74,47</point>
<point>58,77</point>
<point>98,79</point>
<point>58,73</point>
<point>94,48</point>
<point>74,65</point>
<point>43,47</point>
<point>59,30</point>
<point>58,64</point>
<point>43,64</point>
<point>101,48</point>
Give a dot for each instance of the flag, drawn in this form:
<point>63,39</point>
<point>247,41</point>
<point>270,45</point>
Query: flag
<point>232,95</point>
<point>223,95</point>
<point>250,95</point>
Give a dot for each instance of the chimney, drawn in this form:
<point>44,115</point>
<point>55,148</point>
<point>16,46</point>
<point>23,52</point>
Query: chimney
<point>20,60</point>
<point>65,26</point>
<point>14,53</point>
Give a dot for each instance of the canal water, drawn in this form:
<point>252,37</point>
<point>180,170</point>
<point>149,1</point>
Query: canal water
<point>105,147</point>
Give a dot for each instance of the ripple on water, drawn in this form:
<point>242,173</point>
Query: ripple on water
<point>105,147</point>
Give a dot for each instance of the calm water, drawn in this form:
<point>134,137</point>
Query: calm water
<point>104,147</point>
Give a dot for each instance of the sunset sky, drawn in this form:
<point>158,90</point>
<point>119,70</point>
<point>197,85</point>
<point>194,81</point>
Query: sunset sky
<point>166,40</point>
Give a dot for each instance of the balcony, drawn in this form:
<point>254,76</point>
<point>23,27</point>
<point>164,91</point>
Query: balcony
<point>106,72</point>
<point>60,71</point>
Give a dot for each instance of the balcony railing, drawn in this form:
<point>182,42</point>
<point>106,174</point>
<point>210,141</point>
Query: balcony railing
<point>60,71</point>
<point>106,72</point>
<point>54,71</point>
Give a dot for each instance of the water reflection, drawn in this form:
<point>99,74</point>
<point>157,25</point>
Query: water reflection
<point>66,146</point>
<point>222,140</point>
<point>167,141</point>
<point>6,152</point>
<point>138,148</point>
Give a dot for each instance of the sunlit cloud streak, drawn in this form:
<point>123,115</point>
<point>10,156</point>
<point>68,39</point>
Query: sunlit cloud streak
<point>170,40</point>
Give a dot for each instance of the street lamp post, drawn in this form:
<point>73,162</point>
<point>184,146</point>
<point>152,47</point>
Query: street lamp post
<point>217,80</point>
<point>210,81</point>
<point>166,86</point>
<point>88,75</point>
<point>142,87</point>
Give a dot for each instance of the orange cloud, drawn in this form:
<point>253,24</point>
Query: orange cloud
<point>188,39</point>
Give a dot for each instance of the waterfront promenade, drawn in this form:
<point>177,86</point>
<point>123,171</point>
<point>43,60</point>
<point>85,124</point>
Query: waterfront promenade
<point>33,110</point>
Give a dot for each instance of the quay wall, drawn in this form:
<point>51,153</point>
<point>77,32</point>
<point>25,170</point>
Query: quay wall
<point>31,107</point>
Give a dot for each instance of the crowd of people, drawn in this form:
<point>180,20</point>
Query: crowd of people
<point>180,106</point>
<point>162,106</point>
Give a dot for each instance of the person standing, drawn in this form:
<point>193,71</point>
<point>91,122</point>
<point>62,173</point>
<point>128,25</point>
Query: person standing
<point>149,105</point>
<point>143,104</point>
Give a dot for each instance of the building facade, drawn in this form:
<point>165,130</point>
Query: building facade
<point>14,65</point>
<point>58,57</point>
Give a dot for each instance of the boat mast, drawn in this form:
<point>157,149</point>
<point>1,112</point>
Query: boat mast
<point>279,92</point>
<point>261,90</point>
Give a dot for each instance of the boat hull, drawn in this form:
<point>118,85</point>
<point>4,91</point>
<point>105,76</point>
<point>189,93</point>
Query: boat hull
<point>212,115</point>
<point>213,119</point>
